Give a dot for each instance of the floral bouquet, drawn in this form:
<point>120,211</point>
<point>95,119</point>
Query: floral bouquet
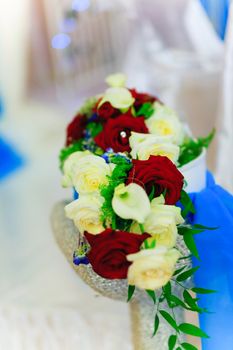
<point>123,157</point>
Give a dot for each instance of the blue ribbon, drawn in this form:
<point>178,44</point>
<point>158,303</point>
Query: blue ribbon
<point>214,208</point>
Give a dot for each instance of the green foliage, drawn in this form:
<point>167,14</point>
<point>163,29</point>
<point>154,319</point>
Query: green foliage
<point>187,346</point>
<point>187,204</point>
<point>119,175</point>
<point>156,325</point>
<point>152,295</point>
<point>172,341</point>
<point>146,110</point>
<point>203,290</point>
<point>131,290</point>
<point>94,128</point>
<point>191,245</point>
<point>187,231</point>
<point>192,148</point>
<point>187,274</point>
<point>67,151</point>
<point>169,319</point>
<point>179,270</point>
<point>190,329</point>
<point>87,107</point>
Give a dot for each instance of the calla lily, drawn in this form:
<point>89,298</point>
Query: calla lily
<point>131,202</point>
<point>116,80</point>
<point>118,97</point>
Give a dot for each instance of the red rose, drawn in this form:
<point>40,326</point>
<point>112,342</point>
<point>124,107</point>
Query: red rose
<point>106,111</point>
<point>141,98</point>
<point>75,129</point>
<point>117,131</point>
<point>109,250</point>
<point>158,172</point>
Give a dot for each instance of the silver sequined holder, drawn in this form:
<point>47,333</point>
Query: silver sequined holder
<point>142,309</point>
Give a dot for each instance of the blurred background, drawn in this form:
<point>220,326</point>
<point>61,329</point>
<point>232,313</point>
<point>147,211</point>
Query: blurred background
<point>54,54</point>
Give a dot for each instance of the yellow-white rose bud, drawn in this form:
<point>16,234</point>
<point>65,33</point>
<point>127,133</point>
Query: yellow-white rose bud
<point>165,122</point>
<point>85,212</point>
<point>161,223</point>
<point>116,80</point>
<point>118,97</point>
<point>152,268</point>
<point>131,202</point>
<point>86,172</point>
<point>145,145</point>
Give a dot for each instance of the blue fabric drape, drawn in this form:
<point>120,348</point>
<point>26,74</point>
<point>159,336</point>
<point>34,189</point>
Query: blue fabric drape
<point>214,208</point>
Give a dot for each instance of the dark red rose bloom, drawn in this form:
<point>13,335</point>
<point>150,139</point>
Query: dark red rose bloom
<point>75,129</point>
<point>109,250</point>
<point>141,98</point>
<point>106,111</point>
<point>116,132</point>
<point>158,172</point>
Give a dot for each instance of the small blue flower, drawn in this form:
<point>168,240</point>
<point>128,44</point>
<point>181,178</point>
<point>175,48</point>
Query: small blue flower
<point>80,260</point>
<point>93,118</point>
<point>75,195</point>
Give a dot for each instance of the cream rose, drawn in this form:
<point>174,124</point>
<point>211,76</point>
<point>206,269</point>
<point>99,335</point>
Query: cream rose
<point>161,223</point>
<point>71,166</point>
<point>152,268</point>
<point>145,145</point>
<point>165,122</point>
<point>86,172</point>
<point>85,212</point>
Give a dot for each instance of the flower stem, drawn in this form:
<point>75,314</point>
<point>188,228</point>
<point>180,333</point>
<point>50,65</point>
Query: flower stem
<point>142,228</point>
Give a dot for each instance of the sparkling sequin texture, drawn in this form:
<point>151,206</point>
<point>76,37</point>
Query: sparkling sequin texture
<point>142,310</point>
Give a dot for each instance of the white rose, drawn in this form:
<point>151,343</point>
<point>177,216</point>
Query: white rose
<point>86,173</point>
<point>71,166</point>
<point>85,212</point>
<point>165,122</point>
<point>152,268</point>
<point>161,223</point>
<point>145,145</point>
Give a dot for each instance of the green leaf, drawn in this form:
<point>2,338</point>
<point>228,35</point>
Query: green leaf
<point>172,341</point>
<point>94,128</point>
<point>167,288</point>
<point>186,229</point>
<point>179,270</point>
<point>191,245</point>
<point>156,325</point>
<point>185,275</point>
<point>187,346</point>
<point>203,290</point>
<point>190,301</point>
<point>169,319</point>
<point>152,194</point>
<point>67,151</point>
<point>187,204</point>
<point>178,302</point>
<point>190,329</point>
<point>205,228</point>
<point>131,290</point>
<point>152,295</point>
<point>205,141</point>
<point>192,148</point>
<point>146,110</point>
